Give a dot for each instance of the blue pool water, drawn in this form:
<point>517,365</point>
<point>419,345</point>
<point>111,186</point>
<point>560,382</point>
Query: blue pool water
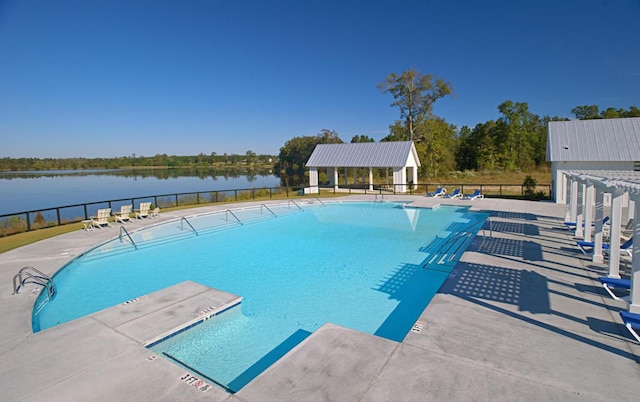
<point>358,265</point>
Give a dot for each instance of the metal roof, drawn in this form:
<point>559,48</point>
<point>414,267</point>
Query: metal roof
<point>600,140</point>
<point>364,154</point>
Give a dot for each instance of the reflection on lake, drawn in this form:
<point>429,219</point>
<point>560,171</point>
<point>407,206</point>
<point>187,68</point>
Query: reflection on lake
<point>26,191</point>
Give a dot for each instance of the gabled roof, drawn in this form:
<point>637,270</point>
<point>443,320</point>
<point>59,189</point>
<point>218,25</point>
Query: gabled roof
<point>600,140</point>
<point>364,154</point>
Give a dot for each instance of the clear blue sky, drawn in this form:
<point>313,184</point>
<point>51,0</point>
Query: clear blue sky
<point>106,78</point>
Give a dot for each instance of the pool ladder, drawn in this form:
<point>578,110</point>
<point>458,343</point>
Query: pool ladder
<point>35,276</point>
<point>443,252</point>
<point>453,240</point>
<point>124,231</point>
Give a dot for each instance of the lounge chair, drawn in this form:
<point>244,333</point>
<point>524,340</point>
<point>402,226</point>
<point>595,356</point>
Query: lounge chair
<point>101,219</point>
<point>625,247</point>
<point>476,194</point>
<point>612,283</point>
<point>440,191</point>
<point>456,194</point>
<point>632,322</point>
<point>155,212</point>
<point>626,231</point>
<point>124,214</point>
<point>572,225</point>
<point>144,211</point>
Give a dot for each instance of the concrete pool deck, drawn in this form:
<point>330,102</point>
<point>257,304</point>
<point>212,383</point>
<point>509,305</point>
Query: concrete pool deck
<point>521,317</point>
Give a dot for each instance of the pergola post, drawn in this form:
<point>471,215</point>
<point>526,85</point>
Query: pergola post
<point>580,211</point>
<point>634,303</point>
<point>573,200</point>
<point>614,237</point>
<point>588,211</point>
<point>597,237</point>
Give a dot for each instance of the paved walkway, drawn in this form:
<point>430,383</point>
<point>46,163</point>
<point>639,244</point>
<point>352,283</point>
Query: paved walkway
<point>521,317</point>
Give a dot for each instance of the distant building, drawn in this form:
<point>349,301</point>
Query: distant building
<point>400,156</point>
<point>600,144</point>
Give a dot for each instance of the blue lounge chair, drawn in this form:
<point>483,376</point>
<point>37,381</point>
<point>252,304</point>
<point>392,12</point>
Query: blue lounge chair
<point>572,225</point>
<point>456,193</point>
<point>612,283</point>
<point>476,194</point>
<point>632,322</point>
<point>626,246</point>
<point>440,191</point>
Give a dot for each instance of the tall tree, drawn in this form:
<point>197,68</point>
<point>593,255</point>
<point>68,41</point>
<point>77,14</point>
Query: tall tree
<point>415,95</point>
<point>362,138</point>
<point>296,152</point>
<point>586,112</point>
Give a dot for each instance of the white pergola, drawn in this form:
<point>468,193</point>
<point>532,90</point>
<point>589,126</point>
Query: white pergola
<point>589,187</point>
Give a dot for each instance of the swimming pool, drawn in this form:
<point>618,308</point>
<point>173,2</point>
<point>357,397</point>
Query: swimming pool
<point>366,266</point>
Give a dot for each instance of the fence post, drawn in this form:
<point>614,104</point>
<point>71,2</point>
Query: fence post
<point>176,199</point>
<point>58,215</point>
<point>28,222</point>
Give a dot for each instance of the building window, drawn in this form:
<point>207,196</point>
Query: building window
<point>636,166</point>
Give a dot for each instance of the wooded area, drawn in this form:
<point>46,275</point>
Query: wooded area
<point>212,160</point>
<point>515,142</point>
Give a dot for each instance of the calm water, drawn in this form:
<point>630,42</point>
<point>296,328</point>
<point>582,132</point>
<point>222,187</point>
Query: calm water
<point>358,265</point>
<point>27,191</point>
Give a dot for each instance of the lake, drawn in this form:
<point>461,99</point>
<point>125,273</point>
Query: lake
<point>35,190</point>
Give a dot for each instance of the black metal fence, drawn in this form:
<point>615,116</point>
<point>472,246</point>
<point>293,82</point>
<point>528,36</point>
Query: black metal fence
<point>55,216</point>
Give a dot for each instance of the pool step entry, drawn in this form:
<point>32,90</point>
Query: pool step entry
<point>32,275</point>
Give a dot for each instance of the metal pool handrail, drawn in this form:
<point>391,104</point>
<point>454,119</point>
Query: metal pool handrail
<point>184,219</point>
<point>123,229</point>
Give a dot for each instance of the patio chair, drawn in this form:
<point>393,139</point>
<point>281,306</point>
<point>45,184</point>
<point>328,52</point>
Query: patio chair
<point>101,219</point>
<point>625,231</point>
<point>124,215</point>
<point>155,212</point>
<point>632,322</point>
<point>572,225</point>
<point>609,284</point>
<point>625,247</point>
<point>456,194</point>
<point>440,191</point>
<point>144,211</point>
<point>476,194</point>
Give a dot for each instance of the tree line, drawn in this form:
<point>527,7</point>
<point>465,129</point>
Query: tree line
<point>516,141</point>
<point>159,160</point>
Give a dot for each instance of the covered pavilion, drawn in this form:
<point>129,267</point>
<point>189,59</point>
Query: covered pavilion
<point>400,156</point>
<point>589,188</point>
